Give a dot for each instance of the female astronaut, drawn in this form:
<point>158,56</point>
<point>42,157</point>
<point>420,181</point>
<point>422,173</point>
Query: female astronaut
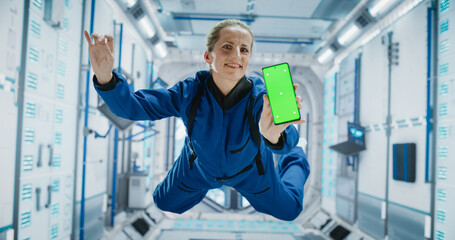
<point>231,133</point>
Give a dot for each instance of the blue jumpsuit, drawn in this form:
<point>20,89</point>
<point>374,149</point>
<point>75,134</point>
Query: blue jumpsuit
<point>223,144</point>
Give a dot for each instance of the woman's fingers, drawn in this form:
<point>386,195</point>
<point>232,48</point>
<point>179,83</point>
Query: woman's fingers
<point>110,43</point>
<point>299,99</point>
<point>87,37</point>
<point>296,86</point>
<point>101,40</point>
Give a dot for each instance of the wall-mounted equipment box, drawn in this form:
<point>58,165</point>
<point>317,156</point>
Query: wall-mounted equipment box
<point>404,162</point>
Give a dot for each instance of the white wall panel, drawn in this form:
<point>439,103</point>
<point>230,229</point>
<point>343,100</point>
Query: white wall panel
<point>97,157</point>
<point>415,195</point>
<point>37,137</point>
<point>34,217</point>
<point>127,49</point>
<point>373,111</point>
<point>372,164</point>
<point>408,100</point>
<point>11,19</point>
<point>96,160</point>
<point>41,57</point>
<point>409,84</point>
<point>48,131</point>
<point>67,77</point>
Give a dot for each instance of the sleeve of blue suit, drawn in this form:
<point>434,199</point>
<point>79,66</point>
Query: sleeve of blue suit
<point>145,104</point>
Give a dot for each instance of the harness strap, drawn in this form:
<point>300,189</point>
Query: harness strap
<point>256,136</point>
<point>193,111</point>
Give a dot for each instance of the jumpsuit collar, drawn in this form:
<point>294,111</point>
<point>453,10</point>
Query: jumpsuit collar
<point>240,90</point>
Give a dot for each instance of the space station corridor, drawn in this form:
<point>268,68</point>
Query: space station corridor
<point>227,120</point>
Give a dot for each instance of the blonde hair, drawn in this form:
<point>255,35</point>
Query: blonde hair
<point>214,33</point>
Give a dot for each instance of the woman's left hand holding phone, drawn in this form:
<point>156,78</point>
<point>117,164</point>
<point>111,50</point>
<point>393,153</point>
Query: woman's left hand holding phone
<point>267,126</point>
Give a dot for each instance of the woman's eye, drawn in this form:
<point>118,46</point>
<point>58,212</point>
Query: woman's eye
<point>226,46</point>
<point>244,50</point>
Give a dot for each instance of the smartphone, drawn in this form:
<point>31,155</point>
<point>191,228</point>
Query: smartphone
<point>280,90</point>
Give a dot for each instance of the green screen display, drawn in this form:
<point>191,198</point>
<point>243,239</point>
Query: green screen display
<point>280,90</point>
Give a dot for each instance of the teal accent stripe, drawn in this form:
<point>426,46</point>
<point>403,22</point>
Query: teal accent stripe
<point>12,80</point>
<point>2,229</point>
<point>1,86</point>
<point>410,208</point>
<point>92,197</point>
<point>371,196</point>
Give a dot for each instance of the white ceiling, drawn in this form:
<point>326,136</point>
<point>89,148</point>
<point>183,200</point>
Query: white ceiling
<point>285,26</point>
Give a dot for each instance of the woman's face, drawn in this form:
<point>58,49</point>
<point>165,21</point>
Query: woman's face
<point>231,53</point>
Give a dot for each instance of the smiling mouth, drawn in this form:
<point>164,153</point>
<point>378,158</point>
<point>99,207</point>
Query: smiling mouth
<point>233,65</point>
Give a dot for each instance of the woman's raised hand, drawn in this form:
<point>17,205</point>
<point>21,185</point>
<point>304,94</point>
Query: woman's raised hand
<point>267,127</point>
<point>101,52</point>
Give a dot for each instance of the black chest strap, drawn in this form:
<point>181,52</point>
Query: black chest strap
<point>256,136</point>
<point>193,111</point>
<point>253,128</point>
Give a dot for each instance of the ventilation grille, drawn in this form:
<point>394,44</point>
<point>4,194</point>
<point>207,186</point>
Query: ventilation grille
<point>443,89</point>
<point>29,135</point>
<point>30,110</point>
<point>443,152</point>
<point>61,68</point>
<point>55,209</point>
<point>445,26</point>
<point>442,173</point>
<point>27,191</point>
<point>442,195</point>
<point>32,80</point>
<point>54,232</point>
<point>26,218</point>
<point>57,161</point>
<point>440,235</point>
<point>363,20</point>
<point>33,54</point>
<point>56,186</point>
<point>27,165</point>
<point>35,28</point>
<point>444,68</point>
<point>60,91</point>
<point>443,110</point>
<point>441,216</point>
<point>58,116</point>
<point>137,11</point>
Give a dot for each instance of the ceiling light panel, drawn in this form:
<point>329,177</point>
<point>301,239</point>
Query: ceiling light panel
<point>347,36</point>
<point>147,26</point>
<point>380,7</point>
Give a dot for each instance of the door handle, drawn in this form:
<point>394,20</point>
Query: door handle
<point>49,195</point>
<point>40,156</point>
<point>38,196</point>
<point>51,155</point>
